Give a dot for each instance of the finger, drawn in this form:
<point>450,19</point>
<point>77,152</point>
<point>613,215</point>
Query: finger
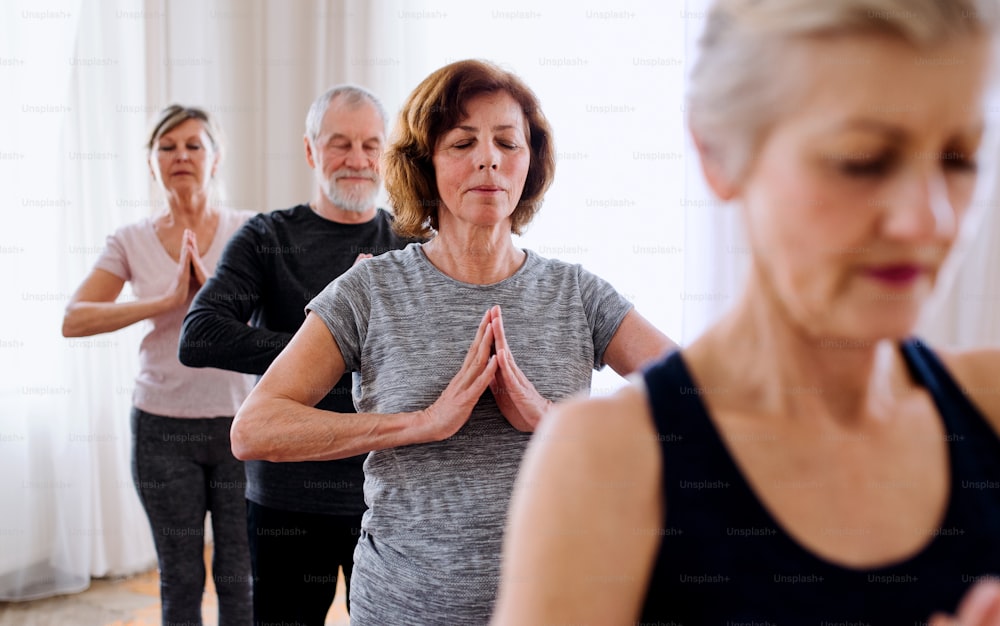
<point>500,384</point>
<point>981,605</point>
<point>483,325</point>
<point>470,385</point>
<point>505,376</point>
<point>476,347</point>
<point>510,369</point>
<point>477,359</point>
<point>499,330</point>
<point>941,620</point>
<point>509,390</point>
<point>484,379</point>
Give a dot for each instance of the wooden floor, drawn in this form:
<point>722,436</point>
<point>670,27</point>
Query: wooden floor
<point>132,601</point>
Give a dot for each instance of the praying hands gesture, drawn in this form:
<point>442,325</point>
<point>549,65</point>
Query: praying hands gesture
<point>93,308</point>
<point>198,269</point>
<point>191,272</point>
<point>516,397</point>
<point>488,363</point>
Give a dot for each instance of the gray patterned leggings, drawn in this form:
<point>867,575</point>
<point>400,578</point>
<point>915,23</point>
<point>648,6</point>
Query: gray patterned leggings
<point>183,468</point>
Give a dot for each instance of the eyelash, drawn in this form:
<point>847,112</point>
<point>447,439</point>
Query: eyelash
<point>882,166</point>
<point>865,169</point>
<point>962,165</point>
<point>347,148</point>
<point>506,145</point>
<point>189,147</point>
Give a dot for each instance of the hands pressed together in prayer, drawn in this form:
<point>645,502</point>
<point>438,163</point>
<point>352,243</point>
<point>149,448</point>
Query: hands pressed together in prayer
<point>488,363</point>
<point>191,271</point>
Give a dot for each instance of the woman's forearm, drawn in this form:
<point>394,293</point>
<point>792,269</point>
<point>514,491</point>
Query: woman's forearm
<point>91,318</point>
<point>283,430</point>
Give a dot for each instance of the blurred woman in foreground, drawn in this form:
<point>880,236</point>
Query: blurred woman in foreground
<point>807,460</point>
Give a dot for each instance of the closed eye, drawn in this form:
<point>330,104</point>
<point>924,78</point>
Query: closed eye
<point>866,168</point>
<point>959,162</point>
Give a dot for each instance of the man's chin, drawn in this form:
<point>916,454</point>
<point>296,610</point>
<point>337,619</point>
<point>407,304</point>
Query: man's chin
<point>352,204</point>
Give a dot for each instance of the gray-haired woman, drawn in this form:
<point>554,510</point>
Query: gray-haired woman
<point>806,461</point>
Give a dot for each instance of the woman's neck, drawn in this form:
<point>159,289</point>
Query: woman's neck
<point>188,211</point>
<point>769,364</point>
<point>480,256</point>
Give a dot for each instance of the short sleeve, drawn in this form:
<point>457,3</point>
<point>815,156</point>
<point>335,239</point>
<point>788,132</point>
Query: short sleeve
<point>345,307</point>
<point>114,258</point>
<point>605,309</point>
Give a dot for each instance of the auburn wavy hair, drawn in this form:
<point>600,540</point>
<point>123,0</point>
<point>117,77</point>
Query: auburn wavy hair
<point>435,107</point>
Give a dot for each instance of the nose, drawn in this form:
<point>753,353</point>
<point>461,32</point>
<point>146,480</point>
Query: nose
<point>923,209</point>
<point>488,157</point>
<point>357,158</point>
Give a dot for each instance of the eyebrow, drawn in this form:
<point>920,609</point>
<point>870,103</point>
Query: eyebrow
<point>473,129</point>
<point>892,131</point>
<point>184,139</point>
<point>343,136</point>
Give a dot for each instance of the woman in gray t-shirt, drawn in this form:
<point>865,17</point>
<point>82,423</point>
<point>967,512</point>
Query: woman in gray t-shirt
<point>459,346</point>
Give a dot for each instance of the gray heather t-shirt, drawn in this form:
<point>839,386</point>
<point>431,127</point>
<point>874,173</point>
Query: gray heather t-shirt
<point>429,552</point>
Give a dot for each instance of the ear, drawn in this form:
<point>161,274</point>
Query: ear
<point>310,158</point>
<point>714,169</point>
<point>215,164</point>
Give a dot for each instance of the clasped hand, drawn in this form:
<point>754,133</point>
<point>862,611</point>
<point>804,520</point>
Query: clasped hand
<point>488,363</point>
<point>191,271</point>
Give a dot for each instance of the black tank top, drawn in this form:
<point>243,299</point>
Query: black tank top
<point>723,560</point>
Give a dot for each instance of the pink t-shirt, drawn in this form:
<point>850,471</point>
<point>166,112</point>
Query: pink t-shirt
<point>165,386</point>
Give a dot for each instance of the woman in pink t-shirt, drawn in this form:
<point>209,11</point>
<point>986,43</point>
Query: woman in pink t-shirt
<point>182,462</point>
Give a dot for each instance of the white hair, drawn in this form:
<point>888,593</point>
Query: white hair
<point>351,95</point>
<point>740,83</point>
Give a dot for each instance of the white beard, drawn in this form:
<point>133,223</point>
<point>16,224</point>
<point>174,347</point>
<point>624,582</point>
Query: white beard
<point>356,199</point>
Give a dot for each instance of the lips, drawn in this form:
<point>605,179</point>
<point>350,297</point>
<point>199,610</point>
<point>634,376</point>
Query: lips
<point>895,275</point>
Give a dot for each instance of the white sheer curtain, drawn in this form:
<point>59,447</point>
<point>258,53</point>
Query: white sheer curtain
<point>628,202</point>
<point>82,78</point>
<point>965,309</point>
<point>69,510</point>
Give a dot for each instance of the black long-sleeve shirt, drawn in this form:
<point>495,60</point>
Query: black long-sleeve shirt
<point>247,313</point>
